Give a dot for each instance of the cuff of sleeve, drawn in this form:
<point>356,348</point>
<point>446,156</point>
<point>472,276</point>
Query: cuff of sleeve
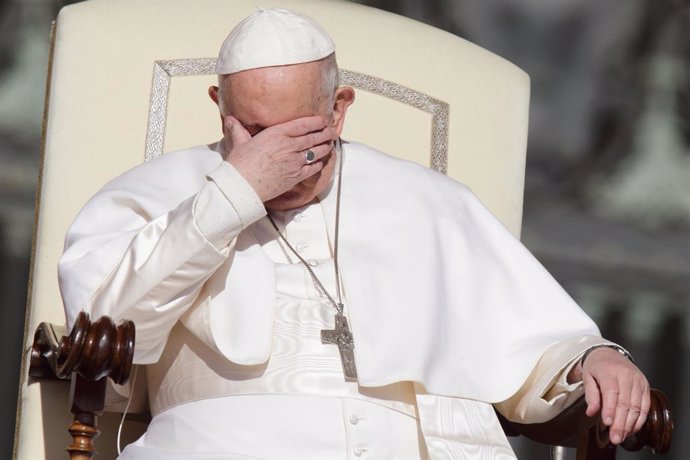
<point>561,384</point>
<point>215,217</point>
<point>239,193</point>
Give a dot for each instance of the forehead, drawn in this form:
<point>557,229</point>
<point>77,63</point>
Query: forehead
<point>278,78</point>
<point>272,95</point>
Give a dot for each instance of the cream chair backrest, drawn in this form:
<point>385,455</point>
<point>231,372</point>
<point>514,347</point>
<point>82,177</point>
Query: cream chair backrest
<point>129,81</point>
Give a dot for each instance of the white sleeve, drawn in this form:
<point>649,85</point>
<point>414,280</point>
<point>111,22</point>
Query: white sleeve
<point>546,391</point>
<point>228,206</point>
<point>150,270</point>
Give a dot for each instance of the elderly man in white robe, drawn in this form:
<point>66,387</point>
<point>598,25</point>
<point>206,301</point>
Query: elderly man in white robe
<point>299,296</point>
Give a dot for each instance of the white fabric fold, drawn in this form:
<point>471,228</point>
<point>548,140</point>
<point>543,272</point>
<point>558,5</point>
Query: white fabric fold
<point>154,265</point>
<point>440,294</point>
<point>457,429</point>
<point>424,292</point>
<point>546,392</point>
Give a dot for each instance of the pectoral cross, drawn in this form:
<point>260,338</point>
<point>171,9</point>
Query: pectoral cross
<point>342,337</point>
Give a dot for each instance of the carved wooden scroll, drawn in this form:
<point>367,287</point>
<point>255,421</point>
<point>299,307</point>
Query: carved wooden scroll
<point>90,354</point>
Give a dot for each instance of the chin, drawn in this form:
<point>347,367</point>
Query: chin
<point>290,200</point>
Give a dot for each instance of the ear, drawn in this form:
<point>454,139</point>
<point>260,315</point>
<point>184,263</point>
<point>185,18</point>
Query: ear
<point>344,97</point>
<point>213,93</point>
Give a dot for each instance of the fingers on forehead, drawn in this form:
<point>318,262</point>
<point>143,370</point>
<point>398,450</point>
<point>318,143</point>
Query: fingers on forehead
<point>313,139</point>
<point>305,125</point>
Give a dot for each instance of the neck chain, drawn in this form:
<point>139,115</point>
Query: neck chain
<point>341,335</point>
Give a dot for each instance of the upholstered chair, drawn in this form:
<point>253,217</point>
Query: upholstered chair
<point>127,82</point>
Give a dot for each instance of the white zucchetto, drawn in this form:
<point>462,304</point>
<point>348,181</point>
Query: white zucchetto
<point>273,37</point>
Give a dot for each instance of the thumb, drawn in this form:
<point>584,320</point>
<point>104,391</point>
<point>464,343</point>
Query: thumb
<point>592,395</point>
<point>235,132</point>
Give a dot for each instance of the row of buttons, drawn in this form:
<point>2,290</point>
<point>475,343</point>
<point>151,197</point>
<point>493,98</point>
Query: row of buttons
<point>301,247</point>
<point>359,450</point>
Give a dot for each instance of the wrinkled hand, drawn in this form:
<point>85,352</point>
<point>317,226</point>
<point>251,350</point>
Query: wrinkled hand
<point>617,387</point>
<point>273,161</point>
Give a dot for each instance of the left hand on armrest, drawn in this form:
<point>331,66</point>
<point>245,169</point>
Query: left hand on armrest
<point>615,386</point>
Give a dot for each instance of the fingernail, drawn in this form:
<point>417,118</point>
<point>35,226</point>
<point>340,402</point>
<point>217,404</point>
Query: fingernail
<point>616,439</point>
<point>608,421</point>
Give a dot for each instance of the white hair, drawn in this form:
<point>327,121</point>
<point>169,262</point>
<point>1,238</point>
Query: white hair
<point>330,81</point>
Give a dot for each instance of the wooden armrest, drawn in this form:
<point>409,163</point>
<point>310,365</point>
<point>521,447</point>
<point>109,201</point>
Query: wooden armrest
<point>94,350</point>
<point>90,354</point>
<point>572,428</point>
<point>561,430</point>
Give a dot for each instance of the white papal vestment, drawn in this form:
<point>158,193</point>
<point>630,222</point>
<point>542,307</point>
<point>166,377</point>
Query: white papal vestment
<point>446,310</point>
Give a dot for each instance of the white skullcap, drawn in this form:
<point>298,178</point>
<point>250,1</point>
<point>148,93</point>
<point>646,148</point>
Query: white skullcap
<point>273,37</point>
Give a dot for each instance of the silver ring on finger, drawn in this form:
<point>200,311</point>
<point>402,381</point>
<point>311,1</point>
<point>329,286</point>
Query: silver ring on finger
<point>309,157</point>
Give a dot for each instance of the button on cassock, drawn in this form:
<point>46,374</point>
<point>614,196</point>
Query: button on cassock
<point>358,451</point>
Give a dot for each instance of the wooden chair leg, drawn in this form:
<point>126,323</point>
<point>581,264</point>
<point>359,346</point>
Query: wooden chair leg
<point>88,399</point>
<point>83,430</point>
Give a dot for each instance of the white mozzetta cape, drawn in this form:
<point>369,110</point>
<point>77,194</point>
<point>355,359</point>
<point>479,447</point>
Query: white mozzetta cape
<point>439,292</point>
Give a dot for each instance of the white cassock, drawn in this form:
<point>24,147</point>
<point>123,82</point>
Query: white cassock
<point>448,311</point>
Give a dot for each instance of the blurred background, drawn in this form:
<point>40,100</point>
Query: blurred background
<point>607,196</point>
